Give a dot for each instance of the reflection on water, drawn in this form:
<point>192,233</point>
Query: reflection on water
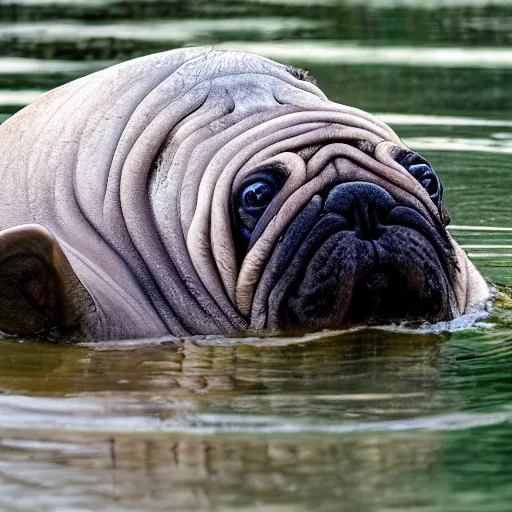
<point>380,420</point>
<point>366,420</point>
<point>216,473</point>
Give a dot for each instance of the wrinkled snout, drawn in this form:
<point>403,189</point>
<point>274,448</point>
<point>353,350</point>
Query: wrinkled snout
<point>361,256</point>
<point>364,206</point>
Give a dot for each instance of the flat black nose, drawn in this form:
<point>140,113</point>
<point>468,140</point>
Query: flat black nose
<point>364,205</point>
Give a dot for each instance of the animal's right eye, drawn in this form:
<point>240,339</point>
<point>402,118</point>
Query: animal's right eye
<point>255,194</point>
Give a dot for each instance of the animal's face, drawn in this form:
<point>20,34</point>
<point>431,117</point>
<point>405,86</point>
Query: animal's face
<point>354,250</point>
<point>302,213</point>
<point>199,191</point>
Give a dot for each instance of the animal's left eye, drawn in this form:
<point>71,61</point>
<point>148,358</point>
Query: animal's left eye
<point>424,174</point>
<point>429,180</point>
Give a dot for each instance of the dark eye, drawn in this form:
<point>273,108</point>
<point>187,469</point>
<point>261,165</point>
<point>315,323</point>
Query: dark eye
<point>254,195</point>
<point>424,174</point>
<point>429,180</point>
<point>257,196</point>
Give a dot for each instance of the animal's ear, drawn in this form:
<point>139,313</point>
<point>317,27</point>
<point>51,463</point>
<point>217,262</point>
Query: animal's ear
<point>38,288</point>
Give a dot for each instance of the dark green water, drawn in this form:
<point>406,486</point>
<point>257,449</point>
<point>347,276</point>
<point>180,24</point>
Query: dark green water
<point>370,420</point>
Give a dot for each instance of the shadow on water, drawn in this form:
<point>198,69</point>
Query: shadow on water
<point>366,420</point>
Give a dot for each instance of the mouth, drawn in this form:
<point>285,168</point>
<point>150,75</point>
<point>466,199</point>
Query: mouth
<point>356,256</point>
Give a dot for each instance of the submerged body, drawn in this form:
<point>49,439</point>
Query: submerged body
<point>200,192</point>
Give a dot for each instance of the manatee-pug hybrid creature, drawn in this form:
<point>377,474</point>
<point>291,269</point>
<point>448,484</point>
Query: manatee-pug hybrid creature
<point>200,191</point>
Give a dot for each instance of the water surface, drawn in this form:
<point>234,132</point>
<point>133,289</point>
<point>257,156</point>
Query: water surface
<point>364,420</point>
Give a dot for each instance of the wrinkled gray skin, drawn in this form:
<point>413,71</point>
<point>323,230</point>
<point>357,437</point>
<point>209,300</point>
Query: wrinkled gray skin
<point>117,197</point>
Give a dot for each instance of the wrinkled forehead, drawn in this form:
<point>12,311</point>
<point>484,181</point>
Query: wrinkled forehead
<point>212,64</point>
<point>198,70</point>
<point>235,86</point>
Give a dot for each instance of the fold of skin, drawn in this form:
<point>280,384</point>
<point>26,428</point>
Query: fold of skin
<point>133,170</point>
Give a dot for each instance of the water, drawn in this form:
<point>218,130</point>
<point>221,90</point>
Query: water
<point>365,420</point>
